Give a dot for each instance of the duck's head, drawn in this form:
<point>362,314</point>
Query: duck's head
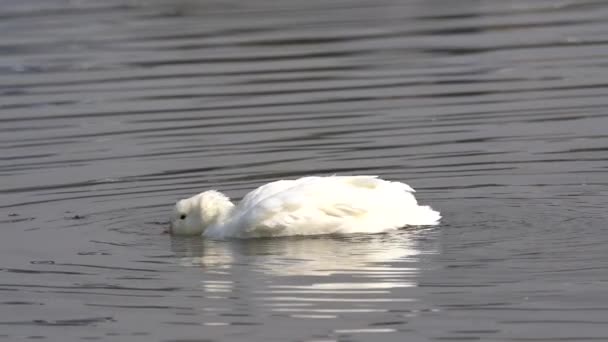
<point>192,216</point>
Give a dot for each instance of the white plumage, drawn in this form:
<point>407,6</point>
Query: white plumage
<point>305,206</point>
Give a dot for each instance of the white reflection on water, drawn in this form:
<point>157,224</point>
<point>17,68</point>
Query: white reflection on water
<point>365,256</point>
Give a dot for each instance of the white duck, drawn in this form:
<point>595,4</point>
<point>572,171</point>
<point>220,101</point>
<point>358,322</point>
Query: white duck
<point>305,206</point>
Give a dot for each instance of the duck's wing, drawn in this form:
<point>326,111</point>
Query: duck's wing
<point>319,205</point>
<point>268,190</point>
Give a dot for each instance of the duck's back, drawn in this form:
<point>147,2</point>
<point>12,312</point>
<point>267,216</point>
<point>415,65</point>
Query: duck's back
<point>326,205</point>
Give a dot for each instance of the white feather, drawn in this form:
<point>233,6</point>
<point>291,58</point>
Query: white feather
<point>307,206</point>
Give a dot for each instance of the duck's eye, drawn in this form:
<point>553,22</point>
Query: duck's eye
<point>182,217</point>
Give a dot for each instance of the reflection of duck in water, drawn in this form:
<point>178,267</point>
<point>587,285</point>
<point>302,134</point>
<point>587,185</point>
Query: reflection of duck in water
<point>319,256</point>
<point>305,206</point>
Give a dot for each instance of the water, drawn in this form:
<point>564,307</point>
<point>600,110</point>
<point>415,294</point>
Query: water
<point>495,111</point>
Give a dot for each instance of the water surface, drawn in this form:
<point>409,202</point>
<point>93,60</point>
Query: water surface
<point>495,111</point>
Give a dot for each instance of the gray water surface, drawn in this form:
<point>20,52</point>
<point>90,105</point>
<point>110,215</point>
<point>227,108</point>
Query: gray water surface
<point>495,111</point>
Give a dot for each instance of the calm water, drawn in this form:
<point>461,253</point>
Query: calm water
<point>495,111</point>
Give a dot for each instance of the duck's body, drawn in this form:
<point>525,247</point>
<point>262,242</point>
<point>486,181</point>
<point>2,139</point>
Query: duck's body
<point>305,206</point>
